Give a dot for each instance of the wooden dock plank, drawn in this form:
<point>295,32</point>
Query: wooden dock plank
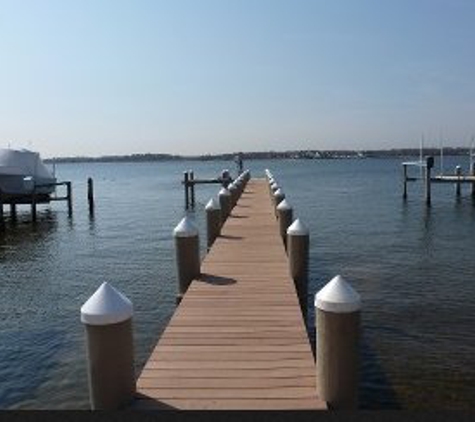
<point>237,340</point>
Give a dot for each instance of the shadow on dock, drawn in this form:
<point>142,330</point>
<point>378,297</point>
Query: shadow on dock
<point>216,280</point>
<point>230,237</point>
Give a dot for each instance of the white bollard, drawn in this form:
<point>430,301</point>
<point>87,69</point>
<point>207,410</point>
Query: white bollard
<point>213,220</point>
<point>278,196</point>
<point>337,317</point>
<point>225,202</point>
<point>284,216</point>
<point>187,248</point>
<point>298,241</point>
<point>107,318</point>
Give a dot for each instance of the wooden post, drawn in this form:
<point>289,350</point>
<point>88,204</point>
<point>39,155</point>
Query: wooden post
<point>192,188</point>
<point>69,196</point>
<point>107,317</point>
<point>187,249</point>
<point>273,188</point>
<point>284,215</point>
<point>337,317</point>
<point>298,241</point>
<point>33,205</point>
<point>404,171</point>
<point>224,197</point>
<point>90,195</point>
<point>429,165</point>
<point>213,221</point>
<point>271,182</point>
<point>185,183</point>
<point>233,190</point>
<point>458,184</point>
<point>473,183</point>
<point>13,211</point>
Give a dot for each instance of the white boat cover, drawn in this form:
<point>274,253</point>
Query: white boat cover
<point>18,165</point>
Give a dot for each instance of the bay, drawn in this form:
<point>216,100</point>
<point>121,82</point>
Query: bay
<point>413,267</point>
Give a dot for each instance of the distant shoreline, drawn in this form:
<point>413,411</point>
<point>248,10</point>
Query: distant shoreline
<point>268,155</point>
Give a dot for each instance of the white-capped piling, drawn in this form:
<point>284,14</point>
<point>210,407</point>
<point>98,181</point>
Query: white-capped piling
<point>240,185</point>
<point>337,316</point>
<point>233,190</point>
<point>284,216</point>
<point>458,184</point>
<point>269,186</point>
<point>278,197</point>
<point>224,197</point>
<point>107,318</point>
<point>187,248</point>
<point>298,241</point>
<point>213,220</point>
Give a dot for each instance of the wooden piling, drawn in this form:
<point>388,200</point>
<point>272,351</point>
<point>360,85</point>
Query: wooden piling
<point>33,206</point>
<point>284,215</point>
<point>279,196</point>
<point>473,183</point>
<point>458,184</point>
<point>90,195</point>
<point>428,168</point>
<point>192,188</point>
<point>187,249</point>
<point>337,317</point>
<point>213,221</point>
<point>404,171</point>
<point>13,212</point>
<point>69,197</point>
<point>225,203</point>
<point>185,184</point>
<point>298,243</point>
<point>107,318</point>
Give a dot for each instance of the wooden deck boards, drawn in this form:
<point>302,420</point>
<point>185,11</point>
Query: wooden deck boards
<point>237,340</point>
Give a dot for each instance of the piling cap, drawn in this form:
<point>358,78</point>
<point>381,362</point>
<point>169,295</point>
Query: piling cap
<point>279,192</point>
<point>274,186</point>
<point>185,228</point>
<point>338,296</point>
<point>224,192</point>
<point>297,228</point>
<point>106,306</point>
<point>232,186</point>
<point>284,205</point>
<point>213,204</point>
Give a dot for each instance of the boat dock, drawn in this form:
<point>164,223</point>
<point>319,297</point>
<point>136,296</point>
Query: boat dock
<point>426,165</point>
<point>238,339</point>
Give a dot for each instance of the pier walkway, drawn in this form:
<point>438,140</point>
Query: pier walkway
<point>237,340</point>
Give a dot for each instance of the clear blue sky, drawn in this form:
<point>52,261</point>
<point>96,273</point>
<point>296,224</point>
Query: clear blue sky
<point>207,76</point>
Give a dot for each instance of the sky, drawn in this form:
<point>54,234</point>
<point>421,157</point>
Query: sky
<point>89,77</point>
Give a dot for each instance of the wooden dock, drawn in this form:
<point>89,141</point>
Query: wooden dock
<point>237,340</point>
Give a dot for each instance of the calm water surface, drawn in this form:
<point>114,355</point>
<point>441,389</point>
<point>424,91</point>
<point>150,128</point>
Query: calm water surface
<point>413,267</point>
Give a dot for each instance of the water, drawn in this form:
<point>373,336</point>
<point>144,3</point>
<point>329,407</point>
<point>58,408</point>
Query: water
<point>413,267</point>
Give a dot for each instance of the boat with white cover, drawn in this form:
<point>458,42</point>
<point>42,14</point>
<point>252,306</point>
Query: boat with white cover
<point>22,172</point>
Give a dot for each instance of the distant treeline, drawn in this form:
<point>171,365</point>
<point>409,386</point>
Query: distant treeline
<point>295,154</point>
